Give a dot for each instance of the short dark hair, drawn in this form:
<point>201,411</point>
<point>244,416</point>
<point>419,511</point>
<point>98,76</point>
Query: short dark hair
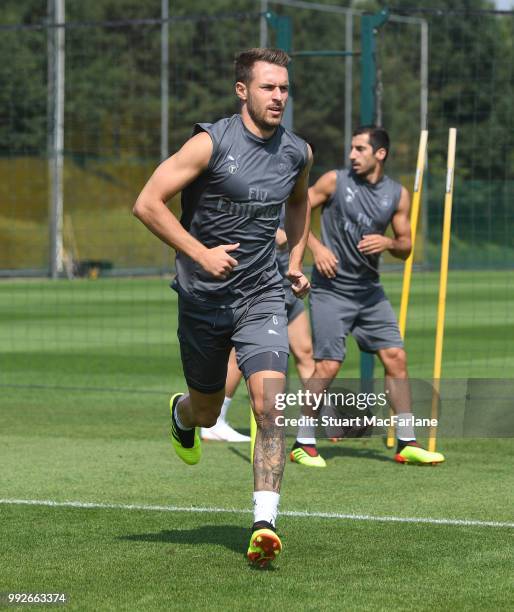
<point>378,137</point>
<point>246,59</point>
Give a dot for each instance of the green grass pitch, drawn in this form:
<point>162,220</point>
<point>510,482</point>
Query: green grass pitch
<point>86,369</point>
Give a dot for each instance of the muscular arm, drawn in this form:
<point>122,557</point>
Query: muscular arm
<point>296,225</point>
<point>297,219</point>
<point>402,243</point>
<point>399,246</point>
<point>324,260</point>
<point>281,239</point>
<point>168,179</point>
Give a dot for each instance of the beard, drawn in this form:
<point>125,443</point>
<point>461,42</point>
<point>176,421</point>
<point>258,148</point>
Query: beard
<point>364,170</point>
<point>259,117</point>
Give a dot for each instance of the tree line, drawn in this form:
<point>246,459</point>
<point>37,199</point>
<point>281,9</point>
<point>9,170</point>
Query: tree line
<point>113,100</point>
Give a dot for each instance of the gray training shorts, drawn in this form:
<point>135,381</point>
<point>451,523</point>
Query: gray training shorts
<point>365,313</point>
<point>207,333</point>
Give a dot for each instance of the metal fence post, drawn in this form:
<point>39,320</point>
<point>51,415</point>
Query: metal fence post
<point>284,40</point>
<point>56,51</point>
<point>369,25</point>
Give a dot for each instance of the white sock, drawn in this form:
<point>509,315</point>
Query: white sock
<point>265,506</point>
<point>405,432</point>
<point>179,423</point>
<point>306,434</point>
<point>223,414</point>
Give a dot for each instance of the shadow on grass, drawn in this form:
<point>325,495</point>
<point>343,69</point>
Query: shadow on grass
<point>242,455</point>
<point>229,536</point>
<point>343,449</point>
<point>337,449</point>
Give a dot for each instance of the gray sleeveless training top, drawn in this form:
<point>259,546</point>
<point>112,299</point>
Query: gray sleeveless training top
<point>238,199</point>
<point>355,209</point>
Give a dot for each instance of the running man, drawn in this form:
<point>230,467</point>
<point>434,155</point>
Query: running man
<point>299,342</point>
<point>347,297</point>
<point>235,175</point>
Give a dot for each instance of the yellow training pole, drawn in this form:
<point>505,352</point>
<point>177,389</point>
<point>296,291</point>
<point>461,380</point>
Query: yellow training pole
<point>407,270</point>
<point>443,282</point>
<point>253,433</point>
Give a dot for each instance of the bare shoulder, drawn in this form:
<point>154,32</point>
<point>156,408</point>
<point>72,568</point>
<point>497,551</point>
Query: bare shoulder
<point>310,155</point>
<point>326,183</point>
<point>198,149</point>
<point>323,189</point>
<point>307,168</point>
<point>404,203</point>
<point>183,167</point>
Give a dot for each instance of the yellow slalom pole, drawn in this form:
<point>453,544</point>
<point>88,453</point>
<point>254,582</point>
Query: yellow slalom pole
<point>443,282</point>
<point>253,433</point>
<point>407,270</point>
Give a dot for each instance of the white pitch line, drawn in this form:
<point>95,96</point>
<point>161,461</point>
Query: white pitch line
<point>300,514</point>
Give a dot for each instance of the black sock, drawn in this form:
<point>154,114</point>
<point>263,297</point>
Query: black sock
<point>185,437</point>
<point>301,445</point>
<point>262,525</point>
<point>403,443</point>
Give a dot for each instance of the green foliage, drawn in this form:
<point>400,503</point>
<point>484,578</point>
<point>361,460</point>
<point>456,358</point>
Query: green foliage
<point>482,214</point>
<point>23,77</point>
<point>113,107</point>
<point>470,82</point>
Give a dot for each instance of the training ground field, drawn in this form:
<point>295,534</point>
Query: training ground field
<point>93,502</point>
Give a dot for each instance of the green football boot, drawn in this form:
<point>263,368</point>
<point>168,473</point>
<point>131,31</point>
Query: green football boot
<point>265,546</point>
<point>415,454</point>
<point>306,454</point>
<point>186,443</point>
